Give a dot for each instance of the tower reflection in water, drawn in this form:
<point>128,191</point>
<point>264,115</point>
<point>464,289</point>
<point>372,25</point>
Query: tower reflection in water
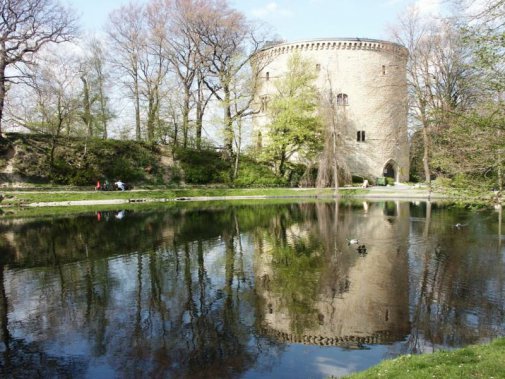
<point>317,287</point>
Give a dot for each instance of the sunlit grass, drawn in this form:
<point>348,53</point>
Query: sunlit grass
<point>34,196</point>
<point>480,361</point>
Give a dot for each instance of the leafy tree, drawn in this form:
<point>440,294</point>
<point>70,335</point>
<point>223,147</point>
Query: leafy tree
<point>296,128</point>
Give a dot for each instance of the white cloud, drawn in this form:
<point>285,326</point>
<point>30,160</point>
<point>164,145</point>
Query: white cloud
<point>272,9</point>
<point>429,7</point>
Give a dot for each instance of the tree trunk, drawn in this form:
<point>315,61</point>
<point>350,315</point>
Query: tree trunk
<point>137,107</point>
<point>228,124</point>
<point>176,133</point>
<point>199,116</point>
<point>282,162</point>
<point>499,159</point>
<point>86,104</point>
<point>103,109</point>
<point>151,116</point>
<point>237,155</point>
<point>335,160</point>
<point>426,151</point>
<point>185,117</point>
<point>3,91</point>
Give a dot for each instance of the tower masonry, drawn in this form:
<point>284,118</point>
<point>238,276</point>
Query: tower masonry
<point>367,80</point>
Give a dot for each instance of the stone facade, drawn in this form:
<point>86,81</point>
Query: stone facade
<point>368,79</point>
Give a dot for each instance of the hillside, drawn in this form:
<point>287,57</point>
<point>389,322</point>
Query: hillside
<point>30,158</point>
<point>27,159</point>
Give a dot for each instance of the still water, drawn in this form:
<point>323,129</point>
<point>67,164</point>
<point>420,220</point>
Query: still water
<point>246,291</point>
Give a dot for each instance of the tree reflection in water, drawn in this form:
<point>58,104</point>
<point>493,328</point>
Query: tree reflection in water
<point>217,291</point>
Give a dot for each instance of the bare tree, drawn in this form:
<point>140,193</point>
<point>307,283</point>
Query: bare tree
<point>25,27</point>
<point>439,76</point>
<point>94,112</point>
<point>53,99</point>
<point>181,51</point>
<point>414,34</point>
<point>332,162</point>
<point>97,69</point>
<point>127,37</point>
<point>155,66</point>
<point>227,45</point>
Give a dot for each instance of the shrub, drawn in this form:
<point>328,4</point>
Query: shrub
<point>202,166</point>
<point>255,174</point>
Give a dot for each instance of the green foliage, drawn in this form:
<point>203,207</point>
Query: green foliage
<point>471,147</point>
<point>295,127</point>
<point>483,361</point>
<point>297,266</point>
<point>202,166</point>
<point>79,161</point>
<point>255,174</point>
<point>416,158</point>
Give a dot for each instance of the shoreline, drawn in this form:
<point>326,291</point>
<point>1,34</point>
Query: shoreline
<point>69,198</point>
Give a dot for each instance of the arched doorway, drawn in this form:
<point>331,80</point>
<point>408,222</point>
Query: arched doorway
<point>391,170</point>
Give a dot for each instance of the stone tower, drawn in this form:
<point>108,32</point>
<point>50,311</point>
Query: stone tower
<point>367,79</point>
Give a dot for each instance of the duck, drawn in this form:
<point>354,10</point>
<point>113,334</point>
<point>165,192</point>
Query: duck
<point>362,249</point>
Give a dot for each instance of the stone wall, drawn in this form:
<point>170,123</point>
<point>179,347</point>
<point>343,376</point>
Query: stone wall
<point>372,74</point>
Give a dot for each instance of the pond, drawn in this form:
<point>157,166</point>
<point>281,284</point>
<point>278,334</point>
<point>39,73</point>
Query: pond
<point>253,290</point>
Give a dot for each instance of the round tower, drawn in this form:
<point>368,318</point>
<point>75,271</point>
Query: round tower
<point>367,79</point>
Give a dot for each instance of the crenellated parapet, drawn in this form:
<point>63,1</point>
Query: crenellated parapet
<point>337,44</point>
<point>347,341</point>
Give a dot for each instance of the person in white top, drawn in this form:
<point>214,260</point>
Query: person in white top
<point>119,184</point>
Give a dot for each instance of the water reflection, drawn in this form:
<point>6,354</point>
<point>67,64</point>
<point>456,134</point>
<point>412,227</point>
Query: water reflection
<point>312,279</point>
<point>230,291</point>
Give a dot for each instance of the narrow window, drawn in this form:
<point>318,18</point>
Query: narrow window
<point>259,141</point>
<point>264,103</point>
<point>342,99</point>
<point>267,76</point>
<point>383,69</point>
<point>360,136</point>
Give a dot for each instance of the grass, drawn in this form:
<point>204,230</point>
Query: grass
<point>478,361</point>
<point>20,198</point>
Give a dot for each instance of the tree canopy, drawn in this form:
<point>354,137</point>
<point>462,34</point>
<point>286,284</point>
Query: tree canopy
<point>296,128</point>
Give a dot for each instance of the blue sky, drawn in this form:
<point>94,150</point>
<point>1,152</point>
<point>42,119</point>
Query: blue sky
<point>294,20</point>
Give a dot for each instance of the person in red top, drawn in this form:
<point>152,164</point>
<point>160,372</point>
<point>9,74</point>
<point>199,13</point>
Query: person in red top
<point>98,186</point>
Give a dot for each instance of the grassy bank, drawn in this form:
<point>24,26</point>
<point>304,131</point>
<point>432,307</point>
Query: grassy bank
<point>20,198</point>
<point>479,361</point>
<point>42,195</point>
